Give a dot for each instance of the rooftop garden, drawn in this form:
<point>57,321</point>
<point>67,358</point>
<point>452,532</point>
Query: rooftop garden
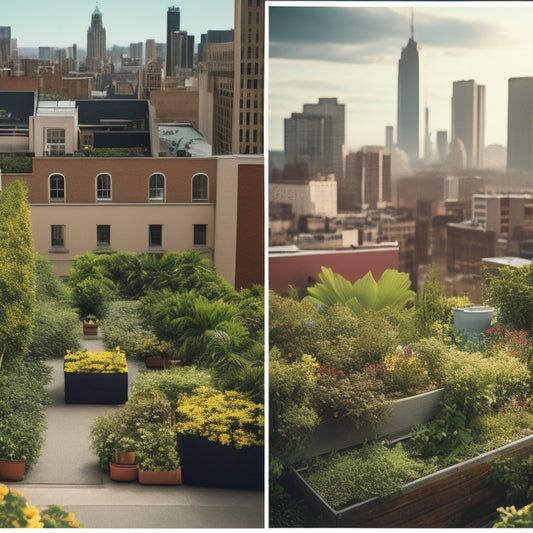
<point>343,356</point>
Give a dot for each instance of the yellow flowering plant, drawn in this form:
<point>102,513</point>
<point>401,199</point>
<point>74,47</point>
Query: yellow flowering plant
<point>96,362</point>
<point>15,511</point>
<point>226,417</point>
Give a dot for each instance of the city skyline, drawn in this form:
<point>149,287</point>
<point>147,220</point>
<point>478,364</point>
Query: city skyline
<point>350,51</point>
<point>61,23</point>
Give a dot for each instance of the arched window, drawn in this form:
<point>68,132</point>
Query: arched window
<point>200,188</point>
<point>57,188</point>
<point>156,188</point>
<point>103,187</point>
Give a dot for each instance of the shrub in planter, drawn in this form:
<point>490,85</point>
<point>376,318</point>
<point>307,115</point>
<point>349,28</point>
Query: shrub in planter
<point>153,351</point>
<point>358,398</point>
<point>514,477</point>
<point>511,517</point>
<point>92,296</point>
<point>17,512</point>
<point>173,382</point>
<point>221,438</point>
<point>96,377</point>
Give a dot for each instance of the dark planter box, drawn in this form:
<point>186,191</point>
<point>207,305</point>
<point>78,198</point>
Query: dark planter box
<point>96,388</point>
<point>210,464</point>
<point>457,496</point>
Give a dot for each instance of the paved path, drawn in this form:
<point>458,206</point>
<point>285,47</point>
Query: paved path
<point>68,474</point>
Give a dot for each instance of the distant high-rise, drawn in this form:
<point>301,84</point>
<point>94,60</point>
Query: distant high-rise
<point>5,45</point>
<point>150,50</point>
<point>367,182</point>
<point>173,24</point>
<point>520,124</point>
<point>442,145</point>
<point>410,101</point>
<point>136,51</point>
<point>389,138</point>
<point>316,138</point>
<point>468,120</point>
<point>96,39</point>
<point>248,85</point>
<point>179,51</point>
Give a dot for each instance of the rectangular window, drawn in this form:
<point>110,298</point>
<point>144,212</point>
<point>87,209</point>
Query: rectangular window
<point>155,235</point>
<point>57,236</point>
<point>200,235</point>
<point>103,236</point>
<point>55,142</point>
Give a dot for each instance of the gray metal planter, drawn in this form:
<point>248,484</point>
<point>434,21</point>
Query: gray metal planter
<point>457,496</point>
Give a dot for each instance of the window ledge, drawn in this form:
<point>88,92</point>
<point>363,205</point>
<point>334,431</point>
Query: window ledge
<point>58,250</point>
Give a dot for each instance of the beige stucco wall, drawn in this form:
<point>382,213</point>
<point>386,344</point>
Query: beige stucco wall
<point>39,124</point>
<point>129,227</point>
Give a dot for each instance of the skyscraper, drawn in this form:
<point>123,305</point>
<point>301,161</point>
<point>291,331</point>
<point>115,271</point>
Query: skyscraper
<point>96,40</point>
<point>520,124</point>
<point>248,85</point>
<point>468,120</point>
<point>5,45</point>
<point>367,183</point>
<point>410,101</point>
<point>316,137</point>
<point>173,24</point>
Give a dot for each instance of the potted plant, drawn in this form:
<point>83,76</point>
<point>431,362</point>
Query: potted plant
<point>90,325</point>
<point>221,439</point>
<point>96,377</point>
<point>124,466</point>
<point>159,462</point>
<point>154,352</point>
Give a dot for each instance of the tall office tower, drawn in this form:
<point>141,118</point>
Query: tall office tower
<point>428,149</point>
<point>136,51</point>
<point>306,144</point>
<point>46,53</point>
<point>212,37</point>
<point>442,145</point>
<point>150,51</point>
<point>330,108</point>
<point>173,24</point>
<point>468,120</point>
<point>520,124</point>
<point>410,101</point>
<point>96,43</point>
<point>367,181</point>
<point>5,45</point>
<point>248,85</point>
<point>389,138</point>
<point>179,51</point>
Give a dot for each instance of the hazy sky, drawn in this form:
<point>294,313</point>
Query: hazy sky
<point>60,23</point>
<point>350,50</point>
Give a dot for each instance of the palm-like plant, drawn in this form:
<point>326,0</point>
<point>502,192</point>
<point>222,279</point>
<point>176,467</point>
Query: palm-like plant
<point>392,290</point>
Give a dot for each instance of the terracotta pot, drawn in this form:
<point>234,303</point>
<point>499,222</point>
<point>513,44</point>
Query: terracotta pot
<point>160,477</point>
<point>125,458</point>
<point>90,329</point>
<point>156,362</point>
<point>12,470</point>
<point>118,472</point>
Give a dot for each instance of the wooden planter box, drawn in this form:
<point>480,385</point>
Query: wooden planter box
<point>12,470</point>
<point>90,329</point>
<point>96,388</point>
<point>210,464</point>
<point>156,362</point>
<point>457,496</point>
<point>334,434</point>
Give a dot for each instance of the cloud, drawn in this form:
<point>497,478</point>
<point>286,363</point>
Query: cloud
<point>367,35</point>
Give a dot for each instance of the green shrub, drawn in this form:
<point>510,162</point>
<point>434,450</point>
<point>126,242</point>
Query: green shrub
<point>514,477</point>
<point>292,417</point>
<point>357,398</point>
<point>92,296</point>
<point>356,475</point>
<point>47,284</point>
<point>96,362</point>
<point>444,437</point>
<point>56,329</point>
<point>173,382</point>
<point>17,271</point>
<point>125,327</point>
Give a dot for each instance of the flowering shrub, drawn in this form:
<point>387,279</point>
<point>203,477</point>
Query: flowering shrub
<point>156,448</point>
<point>16,512</point>
<point>517,343</point>
<point>225,417</point>
<point>96,362</point>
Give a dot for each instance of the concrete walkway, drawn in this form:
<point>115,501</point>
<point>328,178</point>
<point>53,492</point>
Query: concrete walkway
<point>68,474</point>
